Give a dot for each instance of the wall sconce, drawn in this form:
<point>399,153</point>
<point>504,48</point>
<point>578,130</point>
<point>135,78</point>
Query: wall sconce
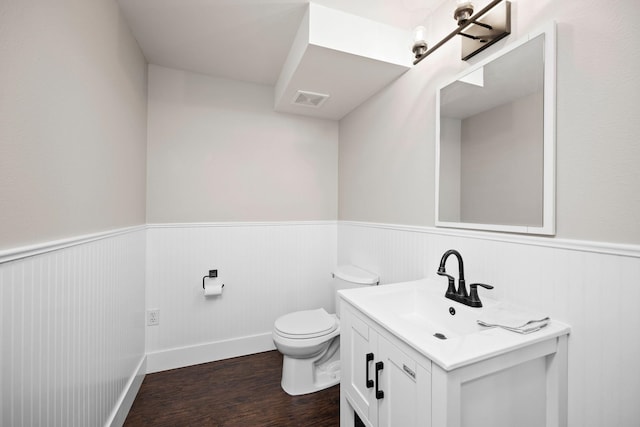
<point>477,36</point>
<point>420,44</point>
<point>463,12</point>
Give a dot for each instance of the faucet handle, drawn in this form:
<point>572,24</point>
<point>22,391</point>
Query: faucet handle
<point>451,289</point>
<point>474,300</point>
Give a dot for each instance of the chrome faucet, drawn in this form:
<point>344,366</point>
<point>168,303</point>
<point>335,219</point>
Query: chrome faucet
<point>460,295</point>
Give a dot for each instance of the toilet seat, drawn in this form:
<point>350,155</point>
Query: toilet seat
<point>306,324</point>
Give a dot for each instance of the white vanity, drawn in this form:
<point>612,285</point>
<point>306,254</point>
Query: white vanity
<point>410,356</point>
<point>408,361</point>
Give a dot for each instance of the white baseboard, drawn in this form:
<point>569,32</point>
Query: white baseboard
<point>208,352</point>
<point>121,410</point>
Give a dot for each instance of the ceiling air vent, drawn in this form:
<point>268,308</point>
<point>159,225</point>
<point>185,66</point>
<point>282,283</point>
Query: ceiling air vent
<point>309,99</point>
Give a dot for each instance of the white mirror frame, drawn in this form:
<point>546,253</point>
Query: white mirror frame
<point>549,140</point>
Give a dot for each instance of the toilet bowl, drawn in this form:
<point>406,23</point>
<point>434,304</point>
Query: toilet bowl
<point>309,340</point>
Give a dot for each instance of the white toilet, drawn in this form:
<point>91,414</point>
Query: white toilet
<point>309,340</point>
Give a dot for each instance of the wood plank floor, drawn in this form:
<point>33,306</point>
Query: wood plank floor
<point>244,391</point>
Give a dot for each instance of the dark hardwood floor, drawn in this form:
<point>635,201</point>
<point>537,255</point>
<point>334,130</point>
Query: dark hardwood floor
<point>244,391</point>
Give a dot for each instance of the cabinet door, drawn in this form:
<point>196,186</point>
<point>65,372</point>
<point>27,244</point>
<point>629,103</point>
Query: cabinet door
<point>406,386</point>
<point>358,347</point>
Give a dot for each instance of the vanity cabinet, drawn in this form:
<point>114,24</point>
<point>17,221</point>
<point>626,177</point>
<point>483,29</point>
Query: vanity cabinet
<point>381,377</point>
<point>388,381</point>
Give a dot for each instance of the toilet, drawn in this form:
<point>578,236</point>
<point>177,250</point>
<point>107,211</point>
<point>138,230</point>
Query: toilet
<point>309,340</point>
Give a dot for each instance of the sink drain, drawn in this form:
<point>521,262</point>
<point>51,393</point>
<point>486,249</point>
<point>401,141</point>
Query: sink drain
<point>440,336</point>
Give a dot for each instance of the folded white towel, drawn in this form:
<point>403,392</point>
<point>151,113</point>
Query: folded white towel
<point>526,329</point>
<point>513,319</point>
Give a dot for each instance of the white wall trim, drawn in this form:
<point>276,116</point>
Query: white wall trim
<point>208,352</point>
<point>550,242</point>
<point>240,224</point>
<point>21,252</point>
<point>54,245</point>
<point>121,409</point>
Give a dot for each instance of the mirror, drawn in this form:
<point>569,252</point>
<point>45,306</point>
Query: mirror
<point>495,151</point>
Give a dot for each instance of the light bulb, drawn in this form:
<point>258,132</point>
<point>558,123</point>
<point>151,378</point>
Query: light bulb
<point>419,41</point>
<point>463,11</point>
<point>419,34</point>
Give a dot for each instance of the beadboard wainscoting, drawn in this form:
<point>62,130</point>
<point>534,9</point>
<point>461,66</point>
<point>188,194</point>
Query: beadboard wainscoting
<point>72,330</point>
<point>268,269</point>
<point>593,287</point>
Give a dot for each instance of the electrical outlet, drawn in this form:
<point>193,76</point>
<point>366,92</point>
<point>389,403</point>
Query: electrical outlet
<point>153,317</point>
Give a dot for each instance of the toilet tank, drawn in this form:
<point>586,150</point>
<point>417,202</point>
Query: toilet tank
<point>350,276</point>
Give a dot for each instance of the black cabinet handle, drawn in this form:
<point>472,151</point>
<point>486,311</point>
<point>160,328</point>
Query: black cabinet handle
<point>369,359</point>
<point>379,393</point>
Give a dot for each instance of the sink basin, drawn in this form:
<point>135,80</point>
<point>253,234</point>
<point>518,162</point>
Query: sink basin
<point>425,308</point>
<point>443,330</point>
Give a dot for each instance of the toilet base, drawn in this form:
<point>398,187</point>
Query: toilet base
<point>303,376</point>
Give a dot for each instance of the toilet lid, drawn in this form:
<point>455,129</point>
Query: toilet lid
<point>306,324</point>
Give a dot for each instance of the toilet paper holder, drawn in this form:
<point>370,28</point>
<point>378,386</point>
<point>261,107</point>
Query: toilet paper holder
<point>212,275</point>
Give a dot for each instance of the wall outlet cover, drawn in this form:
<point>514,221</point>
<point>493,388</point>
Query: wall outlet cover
<point>153,317</point>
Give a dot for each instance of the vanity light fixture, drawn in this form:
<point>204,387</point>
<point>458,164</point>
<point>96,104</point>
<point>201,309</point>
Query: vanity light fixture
<point>463,12</point>
<point>420,44</point>
<point>477,35</point>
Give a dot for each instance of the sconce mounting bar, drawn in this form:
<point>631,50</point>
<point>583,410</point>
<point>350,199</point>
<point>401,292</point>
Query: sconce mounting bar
<point>499,34</point>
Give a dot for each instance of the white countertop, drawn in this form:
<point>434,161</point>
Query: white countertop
<point>413,311</point>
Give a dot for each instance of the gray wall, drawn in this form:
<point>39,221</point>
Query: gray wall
<point>450,159</point>
<point>501,164</point>
<point>387,166</point>
<point>218,152</point>
<point>72,121</point>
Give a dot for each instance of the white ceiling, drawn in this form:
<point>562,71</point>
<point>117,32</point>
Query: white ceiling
<point>245,40</point>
